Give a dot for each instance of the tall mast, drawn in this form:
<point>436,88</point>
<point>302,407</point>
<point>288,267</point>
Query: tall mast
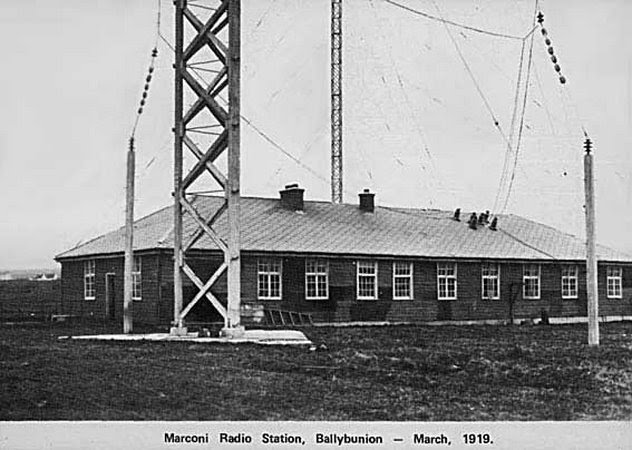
<point>336,101</point>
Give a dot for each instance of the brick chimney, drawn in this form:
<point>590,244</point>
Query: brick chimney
<point>292,197</point>
<point>367,201</point>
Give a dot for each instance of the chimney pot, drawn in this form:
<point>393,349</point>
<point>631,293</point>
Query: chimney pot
<point>457,215</point>
<point>292,197</point>
<point>367,201</point>
<point>494,224</point>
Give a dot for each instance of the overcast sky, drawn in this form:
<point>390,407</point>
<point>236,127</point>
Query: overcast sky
<point>416,128</point>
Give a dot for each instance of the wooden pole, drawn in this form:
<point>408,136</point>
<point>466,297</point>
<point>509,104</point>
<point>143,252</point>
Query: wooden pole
<point>233,195</point>
<point>591,257</point>
<point>177,168</point>
<point>129,240</point>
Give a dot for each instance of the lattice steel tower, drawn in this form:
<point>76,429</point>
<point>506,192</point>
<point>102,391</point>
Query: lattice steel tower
<point>207,63</point>
<point>336,101</point>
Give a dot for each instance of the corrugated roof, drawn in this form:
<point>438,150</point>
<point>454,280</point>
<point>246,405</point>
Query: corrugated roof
<point>326,228</point>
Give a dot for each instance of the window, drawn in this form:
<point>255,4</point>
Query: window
<point>531,281</point>
<point>269,279</point>
<point>367,280</point>
<point>316,280</point>
<point>136,279</point>
<point>614,281</point>
<point>89,291</point>
<point>569,281</point>
<point>402,281</point>
<point>491,281</point>
<point>446,280</point>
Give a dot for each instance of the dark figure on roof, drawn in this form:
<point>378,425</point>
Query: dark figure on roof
<point>472,221</point>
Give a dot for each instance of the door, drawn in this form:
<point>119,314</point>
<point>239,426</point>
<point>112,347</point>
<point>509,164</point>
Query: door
<point>109,295</point>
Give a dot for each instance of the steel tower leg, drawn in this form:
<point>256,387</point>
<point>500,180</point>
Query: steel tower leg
<point>208,65</point>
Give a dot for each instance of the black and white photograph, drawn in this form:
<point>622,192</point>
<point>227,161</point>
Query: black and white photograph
<point>316,224</point>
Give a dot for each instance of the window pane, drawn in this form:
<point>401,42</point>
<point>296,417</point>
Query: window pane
<point>367,279</point>
<point>446,269</point>
<point>366,268</point>
<point>316,278</point>
<point>263,285</point>
<point>275,286</point>
<point>490,270</point>
<point>490,281</point>
<point>402,287</point>
<point>531,270</point>
<point>446,275</point>
<point>367,286</point>
<point>311,286</point>
<point>322,286</point>
<point>451,287</point>
<point>569,281</point>
<point>402,269</point>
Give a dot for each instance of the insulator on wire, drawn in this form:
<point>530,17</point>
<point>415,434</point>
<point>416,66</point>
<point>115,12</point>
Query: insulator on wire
<point>540,17</point>
<point>562,79</point>
<point>154,52</point>
<point>151,69</point>
<point>142,102</point>
<point>543,30</point>
<point>547,41</point>
<point>554,59</point>
<point>557,67</point>
<point>147,87</point>
<point>144,94</point>
<point>148,79</point>
<point>140,110</point>
<point>550,50</point>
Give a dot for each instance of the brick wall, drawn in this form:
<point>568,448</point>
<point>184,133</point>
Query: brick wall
<point>145,310</point>
<point>342,305</point>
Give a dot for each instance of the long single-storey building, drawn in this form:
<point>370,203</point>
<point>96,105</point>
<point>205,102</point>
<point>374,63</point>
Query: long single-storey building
<point>354,262</point>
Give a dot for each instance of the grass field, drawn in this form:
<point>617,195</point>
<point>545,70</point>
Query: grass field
<point>398,373</point>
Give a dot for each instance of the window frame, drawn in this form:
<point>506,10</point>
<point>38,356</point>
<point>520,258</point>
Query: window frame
<point>89,279</point>
<point>269,273</point>
<point>495,277</point>
<point>565,277</point>
<point>317,275</point>
<point>537,277</point>
<point>614,278</point>
<point>137,279</point>
<point>454,277</point>
<point>409,277</point>
<point>374,276</point>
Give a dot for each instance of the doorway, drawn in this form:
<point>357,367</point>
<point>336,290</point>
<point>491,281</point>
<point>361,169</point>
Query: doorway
<point>109,295</point>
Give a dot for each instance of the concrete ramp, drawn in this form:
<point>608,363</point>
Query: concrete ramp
<point>263,337</point>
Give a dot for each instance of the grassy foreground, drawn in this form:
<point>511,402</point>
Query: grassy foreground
<point>377,373</point>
